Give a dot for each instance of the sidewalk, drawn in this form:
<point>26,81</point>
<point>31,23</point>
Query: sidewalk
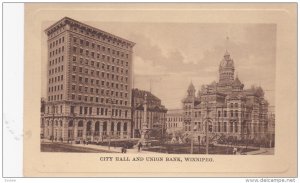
<point>115,149</point>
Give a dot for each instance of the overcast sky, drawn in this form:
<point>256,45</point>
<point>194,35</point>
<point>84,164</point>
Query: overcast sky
<point>172,55</point>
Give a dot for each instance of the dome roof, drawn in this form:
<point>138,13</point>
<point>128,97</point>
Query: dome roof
<point>236,82</point>
<point>226,61</point>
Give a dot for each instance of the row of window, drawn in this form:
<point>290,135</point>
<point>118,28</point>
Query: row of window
<point>100,111</point>
<point>55,88</point>
<point>232,113</point>
<point>56,60</point>
<point>174,119</point>
<point>56,70</point>
<point>88,125</point>
<point>97,73</point>
<point>231,105</point>
<point>99,36</point>
<point>172,125</point>
<point>55,97</point>
<point>56,79</point>
<point>95,81</point>
<point>92,90</point>
<point>94,54</point>
<point>56,32</point>
<point>99,100</point>
<point>94,64</point>
<point>56,51</point>
<point>57,42</point>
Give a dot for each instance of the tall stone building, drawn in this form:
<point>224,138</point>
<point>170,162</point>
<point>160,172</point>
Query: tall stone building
<point>89,74</point>
<point>145,102</point>
<point>226,107</point>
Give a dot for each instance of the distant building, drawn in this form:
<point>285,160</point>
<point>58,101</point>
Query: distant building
<point>156,113</point>
<point>226,107</point>
<point>89,74</point>
<point>174,120</point>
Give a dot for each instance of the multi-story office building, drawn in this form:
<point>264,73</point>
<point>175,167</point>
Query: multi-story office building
<point>89,74</point>
<point>226,108</point>
<point>174,120</point>
<point>145,102</point>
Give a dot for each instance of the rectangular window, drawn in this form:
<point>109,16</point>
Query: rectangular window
<point>90,110</point>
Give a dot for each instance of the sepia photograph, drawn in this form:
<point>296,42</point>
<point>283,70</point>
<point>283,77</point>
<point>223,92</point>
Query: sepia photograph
<point>174,88</point>
<point>191,89</point>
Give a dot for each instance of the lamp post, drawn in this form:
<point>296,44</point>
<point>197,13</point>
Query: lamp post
<point>206,126</point>
<point>192,126</point>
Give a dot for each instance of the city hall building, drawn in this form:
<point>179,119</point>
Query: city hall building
<point>225,108</point>
<point>89,74</point>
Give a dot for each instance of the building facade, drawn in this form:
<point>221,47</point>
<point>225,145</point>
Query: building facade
<point>89,74</point>
<point>146,105</point>
<point>225,108</point>
<point>174,120</point>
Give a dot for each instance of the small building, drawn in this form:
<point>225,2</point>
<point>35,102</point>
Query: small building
<point>156,113</point>
<point>174,120</point>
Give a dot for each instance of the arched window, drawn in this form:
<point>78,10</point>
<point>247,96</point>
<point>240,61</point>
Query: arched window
<point>80,124</point>
<point>70,124</point>
<point>89,126</point>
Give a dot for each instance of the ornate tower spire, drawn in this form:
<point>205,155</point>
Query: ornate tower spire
<point>226,69</point>
<point>191,90</point>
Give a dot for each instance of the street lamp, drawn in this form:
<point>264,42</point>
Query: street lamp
<point>206,126</point>
<point>192,125</point>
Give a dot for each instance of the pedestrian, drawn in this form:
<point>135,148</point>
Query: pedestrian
<point>124,147</point>
<point>139,146</point>
<point>234,150</point>
<point>83,141</point>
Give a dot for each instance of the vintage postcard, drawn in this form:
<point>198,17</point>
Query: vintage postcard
<point>188,90</point>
